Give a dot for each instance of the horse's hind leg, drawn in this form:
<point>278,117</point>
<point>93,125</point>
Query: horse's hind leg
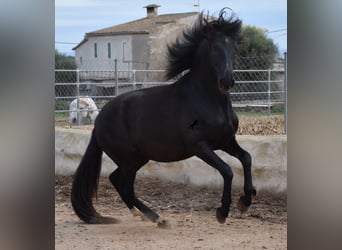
<point>150,214</point>
<point>234,149</point>
<point>123,180</point>
<point>117,179</point>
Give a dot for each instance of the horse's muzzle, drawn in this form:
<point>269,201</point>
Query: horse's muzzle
<point>225,86</point>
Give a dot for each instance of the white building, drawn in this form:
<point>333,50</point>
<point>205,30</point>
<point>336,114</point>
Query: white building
<point>139,44</point>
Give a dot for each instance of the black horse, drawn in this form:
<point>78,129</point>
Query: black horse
<point>193,116</point>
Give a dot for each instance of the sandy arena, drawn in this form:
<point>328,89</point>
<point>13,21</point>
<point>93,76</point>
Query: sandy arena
<point>190,210</point>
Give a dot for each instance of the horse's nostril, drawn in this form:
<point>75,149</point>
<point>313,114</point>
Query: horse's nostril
<point>226,84</point>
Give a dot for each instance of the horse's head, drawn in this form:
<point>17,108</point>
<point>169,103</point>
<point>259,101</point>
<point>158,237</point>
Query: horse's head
<point>222,38</point>
<point>221,59</point>
<point>208,48</point>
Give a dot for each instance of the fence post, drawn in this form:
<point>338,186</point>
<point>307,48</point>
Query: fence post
<point>134,79</point>
<point>285,91</point>
<point>78,95</point>
<point>116,77</point>
<point>269,92</point>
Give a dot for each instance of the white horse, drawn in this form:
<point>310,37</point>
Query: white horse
<point>87,111</point>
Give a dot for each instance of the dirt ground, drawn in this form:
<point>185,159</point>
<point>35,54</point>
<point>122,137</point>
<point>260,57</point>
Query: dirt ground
<point>190,210</point>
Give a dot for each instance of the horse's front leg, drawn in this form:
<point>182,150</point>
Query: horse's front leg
<point>205,153</point>
<point>234,149</point>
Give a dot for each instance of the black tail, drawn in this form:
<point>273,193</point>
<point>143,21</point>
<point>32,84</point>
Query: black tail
<point>86,181</point>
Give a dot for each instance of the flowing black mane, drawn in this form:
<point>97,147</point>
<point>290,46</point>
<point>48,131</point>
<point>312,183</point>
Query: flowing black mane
<point>181,52</point>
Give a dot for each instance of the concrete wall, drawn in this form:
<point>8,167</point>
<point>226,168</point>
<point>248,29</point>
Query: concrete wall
<point>269,154</point>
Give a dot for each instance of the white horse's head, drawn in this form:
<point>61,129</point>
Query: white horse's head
<point>86,113</point>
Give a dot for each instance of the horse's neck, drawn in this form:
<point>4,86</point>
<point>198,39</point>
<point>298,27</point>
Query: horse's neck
<point>206,84</point>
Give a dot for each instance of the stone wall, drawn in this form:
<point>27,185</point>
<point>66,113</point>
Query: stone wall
<point>269,154</point>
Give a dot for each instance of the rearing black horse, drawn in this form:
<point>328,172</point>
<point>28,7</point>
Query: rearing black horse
<point>193,116</point>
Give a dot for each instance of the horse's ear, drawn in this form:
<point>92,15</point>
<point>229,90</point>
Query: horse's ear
<point>206,27</point>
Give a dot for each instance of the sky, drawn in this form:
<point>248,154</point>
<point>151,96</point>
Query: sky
<point>74,18</point>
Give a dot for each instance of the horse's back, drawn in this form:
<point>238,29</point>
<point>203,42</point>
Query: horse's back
<point>147,120</point>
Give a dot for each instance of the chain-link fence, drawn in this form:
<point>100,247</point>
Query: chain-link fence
<point>256,91</point>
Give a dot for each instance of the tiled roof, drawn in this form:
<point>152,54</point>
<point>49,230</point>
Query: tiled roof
<point>141,26</point>
<point>144,25</point>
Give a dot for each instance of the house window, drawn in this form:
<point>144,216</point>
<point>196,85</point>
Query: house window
<point>95,50</point>
<point>109,50</point>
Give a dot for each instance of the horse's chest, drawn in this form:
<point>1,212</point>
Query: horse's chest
<point>219,125</point>
<point>216,125</point>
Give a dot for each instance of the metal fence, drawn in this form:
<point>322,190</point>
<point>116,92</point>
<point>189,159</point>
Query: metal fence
<point>256,91</point>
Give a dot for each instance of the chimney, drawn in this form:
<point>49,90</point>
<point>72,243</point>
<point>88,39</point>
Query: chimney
<point>152,10</point>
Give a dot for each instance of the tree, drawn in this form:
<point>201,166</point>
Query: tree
<point>63,62</point>
<point>256,50</point>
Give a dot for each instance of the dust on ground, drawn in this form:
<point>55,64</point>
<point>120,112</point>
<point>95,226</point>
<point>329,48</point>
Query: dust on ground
<point>189,209</point>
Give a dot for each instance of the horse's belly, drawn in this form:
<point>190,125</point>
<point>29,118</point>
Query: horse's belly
<point>164,152</point>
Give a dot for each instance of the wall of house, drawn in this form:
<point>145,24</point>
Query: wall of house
<point>163,36</point>
<point>141,56</point>
<point>140,51</point>
<point>137,51</point>
<point>121,49</point>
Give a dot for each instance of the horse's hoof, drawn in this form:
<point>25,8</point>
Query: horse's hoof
<point>164,224</point>
<point>219,216</point>
<point>241,205</point>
